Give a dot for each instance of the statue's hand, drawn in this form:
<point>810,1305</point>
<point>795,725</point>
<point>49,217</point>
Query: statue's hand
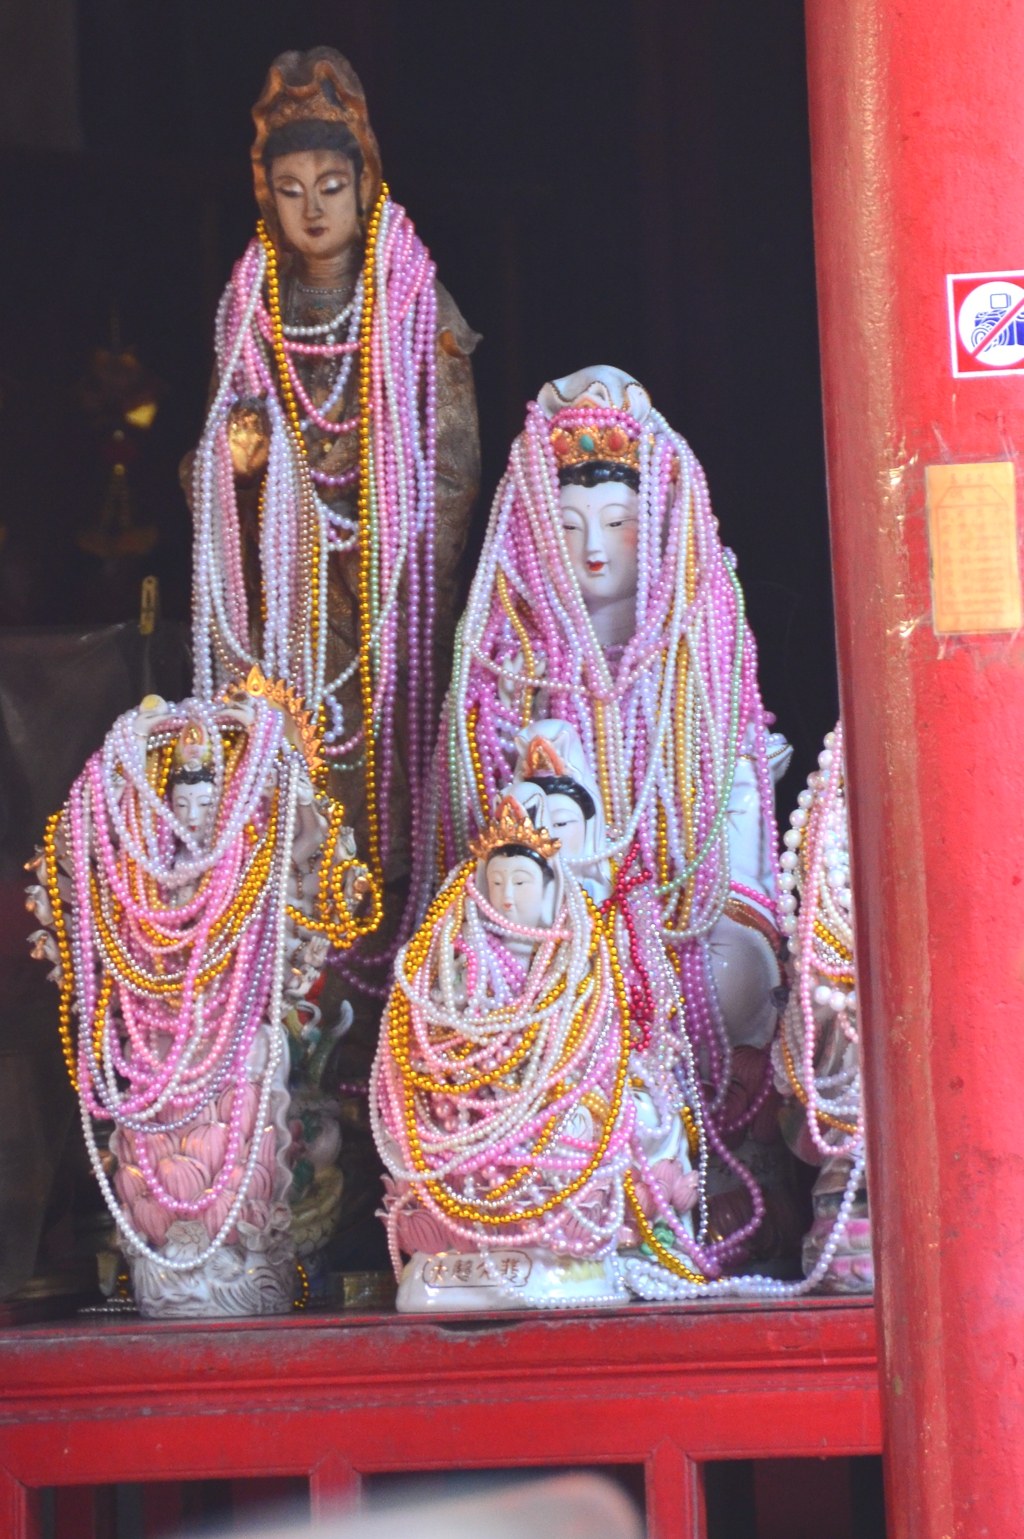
<point>240,708</point>
<point>248,439</point>
<point>511,694</point>
<point>358,889</point>
<point>44,947</point>
<point>152,710</point>
<point>345,849</point>
<point>37,901</point>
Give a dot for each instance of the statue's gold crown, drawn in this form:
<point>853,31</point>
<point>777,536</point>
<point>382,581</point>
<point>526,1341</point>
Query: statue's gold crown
<point>511,825</point>
<point>611,445</point>
<point>301,727</point>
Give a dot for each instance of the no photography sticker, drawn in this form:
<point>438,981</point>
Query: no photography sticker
<point>986,323</point>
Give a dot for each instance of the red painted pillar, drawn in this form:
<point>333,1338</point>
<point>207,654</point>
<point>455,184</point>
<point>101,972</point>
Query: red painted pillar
<point>917,127</point>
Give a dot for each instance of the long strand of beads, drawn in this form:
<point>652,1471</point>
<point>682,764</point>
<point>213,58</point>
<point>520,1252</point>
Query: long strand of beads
<point>816,864</point>
<point>650,1281</point>
<point>390,325</point>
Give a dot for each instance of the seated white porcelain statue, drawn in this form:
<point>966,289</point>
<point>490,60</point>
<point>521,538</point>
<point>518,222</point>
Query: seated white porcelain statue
<point>604,598</point>
<point>524,1096</point>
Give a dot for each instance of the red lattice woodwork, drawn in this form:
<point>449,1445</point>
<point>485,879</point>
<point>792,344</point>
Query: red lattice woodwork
<point>335,1398</point>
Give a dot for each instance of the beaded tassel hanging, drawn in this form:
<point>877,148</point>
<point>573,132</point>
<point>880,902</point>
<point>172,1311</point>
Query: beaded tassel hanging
<point>665,723</point>
<point>817,866</point>
<point>391,328</point>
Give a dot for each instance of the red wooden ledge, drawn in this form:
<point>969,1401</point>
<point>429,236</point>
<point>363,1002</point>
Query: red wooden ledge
<point>334,1397</point>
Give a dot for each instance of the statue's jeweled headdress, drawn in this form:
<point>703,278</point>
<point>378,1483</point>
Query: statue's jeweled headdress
<point>511,825</point>
<point>542,758</point>
<point>302,728</point>
<point>577,442</point>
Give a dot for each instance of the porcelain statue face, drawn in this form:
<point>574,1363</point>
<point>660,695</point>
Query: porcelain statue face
<point>600,525</point>
<point>515,887</point>
<point>193,806</point>
<point>567,823</point>
<point>315,197</point>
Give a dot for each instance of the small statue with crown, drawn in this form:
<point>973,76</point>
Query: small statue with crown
<point>530,1095</point>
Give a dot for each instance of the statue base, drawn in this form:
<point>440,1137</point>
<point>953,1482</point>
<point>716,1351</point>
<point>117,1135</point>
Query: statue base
<point>235,1281</point>
<point>454,1282</point>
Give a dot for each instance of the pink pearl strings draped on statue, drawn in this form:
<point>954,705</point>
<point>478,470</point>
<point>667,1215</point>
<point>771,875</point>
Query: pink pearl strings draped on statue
<point>666,718</point>
<point>394,339</point>
<point>183,1063</point>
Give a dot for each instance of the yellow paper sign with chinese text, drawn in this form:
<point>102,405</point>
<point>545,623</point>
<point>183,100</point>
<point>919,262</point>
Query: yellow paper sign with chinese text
<point>972,532</point>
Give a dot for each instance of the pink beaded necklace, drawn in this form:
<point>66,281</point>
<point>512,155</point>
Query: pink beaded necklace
<point>666,714</point>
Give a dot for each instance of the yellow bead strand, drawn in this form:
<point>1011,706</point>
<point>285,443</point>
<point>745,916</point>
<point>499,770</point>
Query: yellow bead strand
<point>477,761</point>
<point>67,970</point>
<point>669,1261</point>
<point>801,1094</point>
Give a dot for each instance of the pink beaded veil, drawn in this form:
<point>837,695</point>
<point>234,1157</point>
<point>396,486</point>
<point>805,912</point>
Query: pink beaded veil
<point>390,342</point>
<point>665,718</point>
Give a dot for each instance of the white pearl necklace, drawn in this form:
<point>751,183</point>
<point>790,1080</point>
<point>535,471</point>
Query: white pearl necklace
<point>325,328</point>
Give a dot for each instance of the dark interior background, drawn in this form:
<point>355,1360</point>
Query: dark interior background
<point>619,182</point>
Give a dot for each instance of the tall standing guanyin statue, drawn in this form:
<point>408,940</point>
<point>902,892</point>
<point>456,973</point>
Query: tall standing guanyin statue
<point>332,486</point>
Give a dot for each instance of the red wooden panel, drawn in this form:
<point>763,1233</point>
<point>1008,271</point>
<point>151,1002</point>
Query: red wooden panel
<point>675,1495</point>
<point>19,1508</point>
<point>125,1362</point>
<point>333,1487</point>
<point>334,1398</point>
